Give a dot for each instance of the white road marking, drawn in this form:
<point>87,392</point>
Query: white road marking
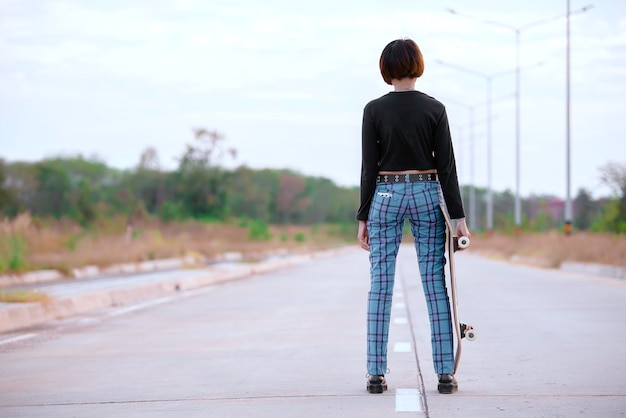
<point>18,338</point>
<point>402,347</point>
<point>400,320</point>
<point>113,313</point>
<point>155,302</point>
<point>140,306</point>
<point>408,400</point>
<point>87,321</point>
<point>200,291</point>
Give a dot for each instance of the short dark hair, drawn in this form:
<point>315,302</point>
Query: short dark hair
<point>400,59</point>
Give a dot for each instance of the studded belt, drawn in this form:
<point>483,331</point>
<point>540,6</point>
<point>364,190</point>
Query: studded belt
<point>405,178</point>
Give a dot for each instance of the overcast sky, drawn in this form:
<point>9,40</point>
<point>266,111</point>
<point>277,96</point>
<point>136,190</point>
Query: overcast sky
<point>286,81</point>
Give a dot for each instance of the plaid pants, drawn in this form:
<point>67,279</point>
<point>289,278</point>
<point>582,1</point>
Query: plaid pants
<point>391,205</point>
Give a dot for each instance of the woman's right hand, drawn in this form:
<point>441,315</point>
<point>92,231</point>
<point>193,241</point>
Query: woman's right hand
<point>461,228</point>
<point>363,235</point>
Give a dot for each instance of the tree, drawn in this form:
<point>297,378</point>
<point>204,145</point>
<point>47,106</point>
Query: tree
<point>503,210</point>
<point>208,150</point>
<point>149,160</point>
<point>289,193</point>
<point>614,175</point>
<point>84,205</point>
<point>614,213</point>
<point>53,189</point>
<point>585,210</point>
<point>147,182</point>
<point>200,177</point>
<point>9,204</point>
<point>250,193</point>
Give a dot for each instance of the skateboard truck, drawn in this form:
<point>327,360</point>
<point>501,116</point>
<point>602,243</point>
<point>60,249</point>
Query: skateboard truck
<point>467,332</point>
<point>461,243</point>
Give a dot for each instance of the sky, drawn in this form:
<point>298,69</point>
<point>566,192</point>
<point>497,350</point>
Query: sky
<point>285,82</point>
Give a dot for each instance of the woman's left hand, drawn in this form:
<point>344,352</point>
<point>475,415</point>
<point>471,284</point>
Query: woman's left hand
<point>363,235</point>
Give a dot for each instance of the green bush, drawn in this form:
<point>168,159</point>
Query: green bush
<point>610,219</point>
<point>259,231</point>
<point>172,210</point>
<point>12,256</point>
<point>72,242</point>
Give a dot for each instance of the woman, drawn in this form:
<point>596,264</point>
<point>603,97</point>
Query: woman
<point>407,164</point>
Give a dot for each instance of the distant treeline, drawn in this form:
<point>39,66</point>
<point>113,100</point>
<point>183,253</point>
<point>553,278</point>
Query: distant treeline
<point>87,189</point>
<point>546,213</point>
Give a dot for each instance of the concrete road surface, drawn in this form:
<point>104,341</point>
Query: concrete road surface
<point>291,343</point>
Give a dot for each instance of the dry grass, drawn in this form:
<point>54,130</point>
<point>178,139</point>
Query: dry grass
<point>62,245</point>
<point>27,245</point>
<point>23,296</point>
<point>554,248</point>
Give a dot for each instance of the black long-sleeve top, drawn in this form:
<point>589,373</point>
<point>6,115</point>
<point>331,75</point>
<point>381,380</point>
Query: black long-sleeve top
<point>408,130</point>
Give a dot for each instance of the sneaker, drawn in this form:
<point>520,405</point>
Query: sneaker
<point>376,383</point>
<point>447,384</point>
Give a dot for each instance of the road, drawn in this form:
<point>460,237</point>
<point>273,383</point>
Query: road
<point>291,343</point>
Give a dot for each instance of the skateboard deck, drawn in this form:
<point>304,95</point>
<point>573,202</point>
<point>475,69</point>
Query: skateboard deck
<point>454,243</point>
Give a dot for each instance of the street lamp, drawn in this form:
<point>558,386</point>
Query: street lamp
<point>568,195</point>
<point>472,191</point>
<point>472,122</point>
<point>459,151</point>
<point>489,78</point>
<point>518,30</point>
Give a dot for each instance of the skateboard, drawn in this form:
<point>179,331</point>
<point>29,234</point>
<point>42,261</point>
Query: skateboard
<point>453,244</point>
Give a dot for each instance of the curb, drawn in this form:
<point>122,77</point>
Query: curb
<point>17,316</point>
<point>604,270</point>
<point>591,269</point>
<point>45,276</point>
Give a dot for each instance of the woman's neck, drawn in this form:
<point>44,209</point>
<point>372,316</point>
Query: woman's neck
<point>405,84</point>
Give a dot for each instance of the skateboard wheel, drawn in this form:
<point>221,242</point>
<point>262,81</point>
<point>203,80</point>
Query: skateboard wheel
<point>470,335</point>
<point>464,242</point>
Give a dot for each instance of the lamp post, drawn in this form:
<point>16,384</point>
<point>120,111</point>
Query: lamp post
<point>472,191</point>
<point>489,78</point>
<point>568,195</point>
<point>472,122</point>
<point>518,30</point>
<point>460,150</point>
